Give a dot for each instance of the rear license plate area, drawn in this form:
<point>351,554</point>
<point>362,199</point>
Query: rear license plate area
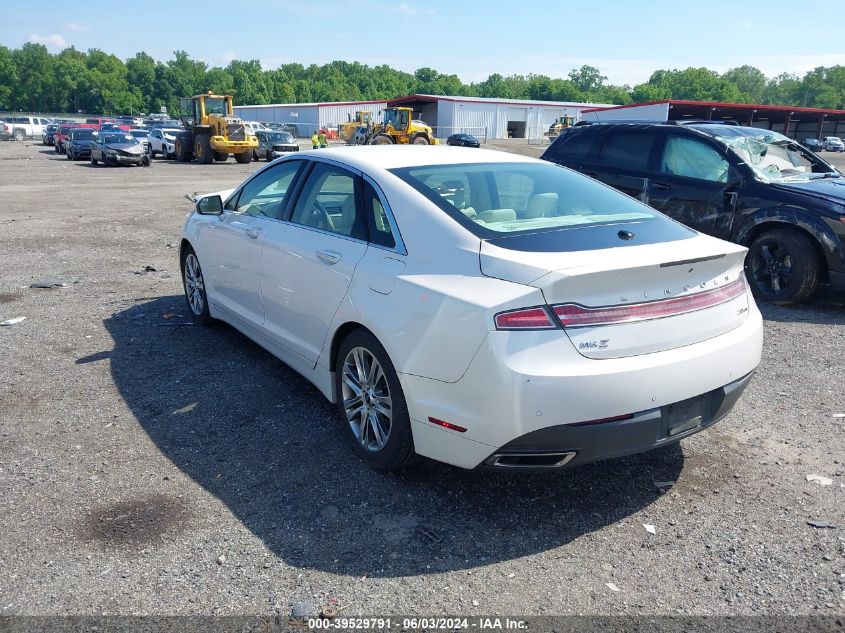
<point>683,416</point>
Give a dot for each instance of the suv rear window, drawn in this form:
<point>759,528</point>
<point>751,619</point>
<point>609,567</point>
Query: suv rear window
<point>627,150</point>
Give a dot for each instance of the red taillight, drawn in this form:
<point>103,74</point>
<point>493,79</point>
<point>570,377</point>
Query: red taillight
<point>525,319</point>
<point>572,315</point>
<point>615,418</point>
<point>447,425</point>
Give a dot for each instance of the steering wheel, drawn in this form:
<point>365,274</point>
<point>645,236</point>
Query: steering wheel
<point>319,213</point>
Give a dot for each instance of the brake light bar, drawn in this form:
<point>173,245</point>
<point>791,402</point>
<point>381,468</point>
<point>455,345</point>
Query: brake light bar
<point>615,418</point>
<point>447,425</point>
<point>525,319</point>
<point>572,315</point>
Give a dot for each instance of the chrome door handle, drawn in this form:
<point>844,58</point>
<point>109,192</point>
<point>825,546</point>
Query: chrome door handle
<point>253,233</point>
<point>329,257</point>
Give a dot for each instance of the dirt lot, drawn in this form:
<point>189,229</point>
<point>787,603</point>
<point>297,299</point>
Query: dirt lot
<point>152,467</point>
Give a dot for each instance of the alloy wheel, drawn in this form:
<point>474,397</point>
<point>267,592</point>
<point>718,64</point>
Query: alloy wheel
<point>772,266</point>
<point>194,284</point>
<point>366,399</point>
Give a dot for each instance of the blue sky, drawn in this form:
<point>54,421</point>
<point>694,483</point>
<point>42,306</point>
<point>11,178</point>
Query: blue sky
<point>625,40</point>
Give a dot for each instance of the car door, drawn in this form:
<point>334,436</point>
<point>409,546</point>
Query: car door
<point>625,159</point>
<point>695,184</point>
<point>155,141</point>
<point>232,245</point>
<point>307,262</point>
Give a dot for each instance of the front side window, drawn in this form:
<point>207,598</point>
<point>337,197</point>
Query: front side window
<point>265,195</point>
<point>329,201</point>
<point>492,199</point>
<point>691,158</point>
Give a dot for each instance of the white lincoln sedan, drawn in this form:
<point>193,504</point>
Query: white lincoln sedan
<point>478,308</point>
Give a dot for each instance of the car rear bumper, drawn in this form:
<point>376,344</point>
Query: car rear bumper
<point>569,445</point>
<point>523,391</point>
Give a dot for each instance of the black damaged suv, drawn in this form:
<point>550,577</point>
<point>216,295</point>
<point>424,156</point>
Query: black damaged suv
<point>747,185</point>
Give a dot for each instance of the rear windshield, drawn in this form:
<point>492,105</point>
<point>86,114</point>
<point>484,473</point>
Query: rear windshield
<point>82,134</point>
<point>496,199</point>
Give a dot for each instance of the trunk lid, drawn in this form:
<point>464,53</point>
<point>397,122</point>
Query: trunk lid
<point>656,296</point>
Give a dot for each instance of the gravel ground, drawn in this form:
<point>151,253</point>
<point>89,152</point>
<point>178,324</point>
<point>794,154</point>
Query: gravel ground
<point>151,467</point>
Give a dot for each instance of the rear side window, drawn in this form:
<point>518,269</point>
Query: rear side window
<point>575,147</point>
<point>377,220</point>
<point>627,150</point>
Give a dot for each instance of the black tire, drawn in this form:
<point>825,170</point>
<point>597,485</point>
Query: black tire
<point>146,161</point>
<point>244,157</point>
<point>420,139</point>
<point>221,157</point>
<point>56,148</point>
<point>69,155</point>
<point>398,451</point>
<point>269,156</point>
<point>184,153</point>
<point>93,161</point>
<point>18,134</point>
<point>383,139</point>
<point>198,316</point>
<point>202,149</point>
<point>782,267</point>
<point>152,153</point>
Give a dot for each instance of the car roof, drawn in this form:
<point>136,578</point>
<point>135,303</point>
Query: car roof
<point>377,157</point>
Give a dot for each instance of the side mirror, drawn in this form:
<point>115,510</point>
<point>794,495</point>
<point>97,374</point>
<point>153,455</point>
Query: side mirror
<point>210,205</point>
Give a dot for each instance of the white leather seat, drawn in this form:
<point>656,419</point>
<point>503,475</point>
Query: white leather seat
<point>543,205</point>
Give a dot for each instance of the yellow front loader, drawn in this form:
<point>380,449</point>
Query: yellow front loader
<point>212,131</point>
<point>363,118</point>
<point>398,127</point>
<point>561,123</point>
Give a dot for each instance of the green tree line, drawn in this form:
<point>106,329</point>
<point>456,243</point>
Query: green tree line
<point>34,80</point>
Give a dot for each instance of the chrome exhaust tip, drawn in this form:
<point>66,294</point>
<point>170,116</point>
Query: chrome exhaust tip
<point>530,460</point>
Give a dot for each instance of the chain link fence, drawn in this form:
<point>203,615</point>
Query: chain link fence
<point>539,136</point>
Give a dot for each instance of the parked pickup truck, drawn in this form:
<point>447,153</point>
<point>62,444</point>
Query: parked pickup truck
<point>21,127</point>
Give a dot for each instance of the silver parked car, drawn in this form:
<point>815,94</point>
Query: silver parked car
<point>833,144</point>
<point>272,144</point>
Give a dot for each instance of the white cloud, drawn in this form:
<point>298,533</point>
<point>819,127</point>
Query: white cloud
<point>411,10</point>
<point>76,26</point>
<point>54,41</point>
